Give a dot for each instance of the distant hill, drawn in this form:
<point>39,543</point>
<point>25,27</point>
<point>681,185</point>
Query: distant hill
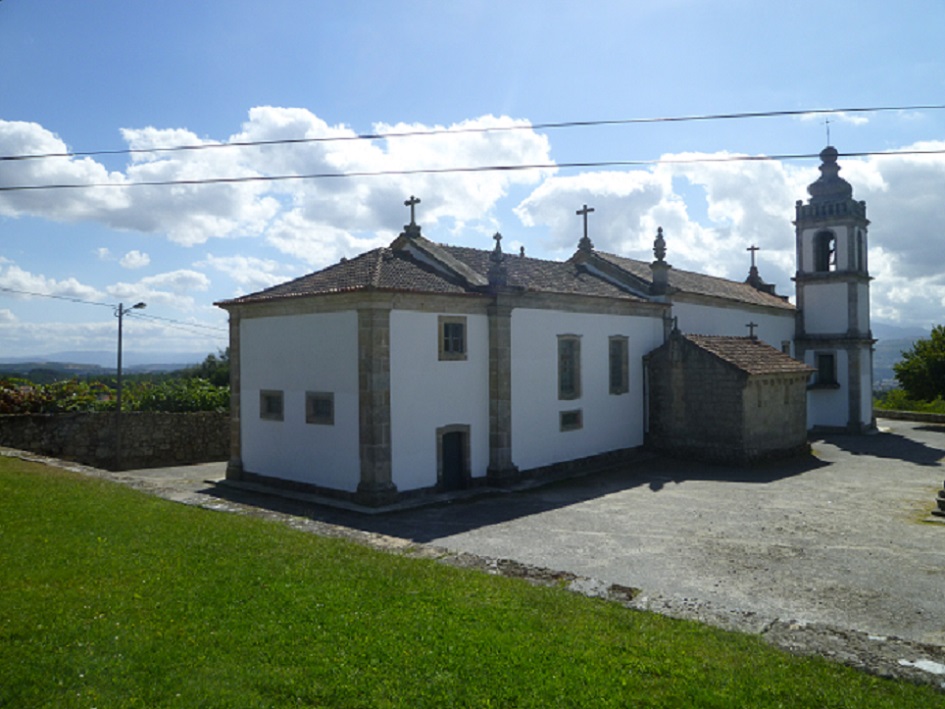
<point>63,365</point>
<point>885,354</point>
<point>892,341</point>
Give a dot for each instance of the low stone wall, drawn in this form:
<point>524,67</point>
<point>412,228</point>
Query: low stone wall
<point>148,439</point>
<point>909,416</point>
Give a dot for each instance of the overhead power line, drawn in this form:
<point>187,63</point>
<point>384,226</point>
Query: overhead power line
<point>57,297</point>
<point>449,170</point>
<point>178,324</point>
<point>477,129</point>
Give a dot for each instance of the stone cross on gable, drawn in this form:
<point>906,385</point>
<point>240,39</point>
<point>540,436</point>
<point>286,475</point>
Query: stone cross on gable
<point>583,213</point>
<point>497,251</point>
<point>412,202</point>
<point>753,249</point>
<point>751,329</point>
<point>585,243</point>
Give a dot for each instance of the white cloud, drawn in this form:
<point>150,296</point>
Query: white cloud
<point>745,203</point>
<point>306,216</point>
<point>174,289</point>
<point>140,334</point>
<point>7,316</point>
<point>250,273</point>
<point>712,211</point>
<point>103,254</point>
<point>329,218</point>
<point>17,279</point>
<point>855,119</point>
<point>135,259</point>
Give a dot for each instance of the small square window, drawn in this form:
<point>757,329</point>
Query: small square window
<point>452,334</point>
<point>320,408</point>
<point>270,405</point>
<point>571,420</point>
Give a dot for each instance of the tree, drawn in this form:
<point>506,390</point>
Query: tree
<point>215,368</point>
<point>921,372</point>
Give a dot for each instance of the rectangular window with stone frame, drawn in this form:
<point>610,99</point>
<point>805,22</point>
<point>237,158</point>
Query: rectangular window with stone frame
<point>619,364</point>
<point>452,337</point>
<point>825,376</point>
<point>569,367</point>
<point>320,408</point>
<point>571,420</point>
<point>271,405</point>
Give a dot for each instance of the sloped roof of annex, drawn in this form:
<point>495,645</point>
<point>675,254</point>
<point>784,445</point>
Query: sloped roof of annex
<point>748,354</point>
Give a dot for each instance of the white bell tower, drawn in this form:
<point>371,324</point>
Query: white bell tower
<point>833,303</point>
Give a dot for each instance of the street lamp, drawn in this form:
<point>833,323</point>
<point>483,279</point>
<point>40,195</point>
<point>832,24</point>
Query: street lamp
<point>120,312</point>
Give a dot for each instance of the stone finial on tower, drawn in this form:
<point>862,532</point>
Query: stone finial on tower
<point>585,244</point>
<point>829,187</point>
<point>498,273</point>
<point>660,269</point>
<point>412,229</point>
<point>659,245</point>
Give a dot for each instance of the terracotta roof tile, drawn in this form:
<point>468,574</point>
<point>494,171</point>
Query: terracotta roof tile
<point>398,270</point>
<point>750,355</point>
<point>699,283</point>
<point>542,276</point>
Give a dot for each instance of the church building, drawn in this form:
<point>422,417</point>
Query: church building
<point>423,367</point>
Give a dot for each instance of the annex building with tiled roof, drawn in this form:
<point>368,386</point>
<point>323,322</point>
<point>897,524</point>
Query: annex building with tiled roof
<point>423,367</point>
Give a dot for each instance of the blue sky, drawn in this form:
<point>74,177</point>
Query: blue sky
<point>111,74</point>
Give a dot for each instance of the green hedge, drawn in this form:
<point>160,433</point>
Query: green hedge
<point>21,397</point>
<point>898,400</point>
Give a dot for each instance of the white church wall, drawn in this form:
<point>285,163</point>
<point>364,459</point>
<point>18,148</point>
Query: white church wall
<point>829,407</point>
<point>427,394</point>
<point>294,355</point>
<point>863,306</point>
<point>866,391</point>
<point>697,319</point>
<point>825,308</point>
<point>609,422</point>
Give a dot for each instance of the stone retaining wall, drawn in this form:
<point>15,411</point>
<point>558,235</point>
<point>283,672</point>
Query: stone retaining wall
<point>148,439</point>
<point>909,416</point>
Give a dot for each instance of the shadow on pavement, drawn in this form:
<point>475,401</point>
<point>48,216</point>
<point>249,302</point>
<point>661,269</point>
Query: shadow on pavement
<point>891,445</point>
<point>446,518</point>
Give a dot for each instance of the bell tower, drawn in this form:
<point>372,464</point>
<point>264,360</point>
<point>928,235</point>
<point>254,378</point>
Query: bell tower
<point>833,302</point>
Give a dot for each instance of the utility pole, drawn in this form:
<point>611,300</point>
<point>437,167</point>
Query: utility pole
<point>120,313</point>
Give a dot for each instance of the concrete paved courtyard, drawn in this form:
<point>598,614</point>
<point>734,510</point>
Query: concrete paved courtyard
<point>839,538</point>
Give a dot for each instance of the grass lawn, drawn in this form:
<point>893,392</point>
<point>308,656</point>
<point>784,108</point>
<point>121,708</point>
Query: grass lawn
<point>112,598</point>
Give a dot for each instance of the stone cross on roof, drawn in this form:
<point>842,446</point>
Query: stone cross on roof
<point>585,244</point>
<point>412,202</point>
<point>751,329</point>
<point>753,249</point>
<point>412,230</point>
